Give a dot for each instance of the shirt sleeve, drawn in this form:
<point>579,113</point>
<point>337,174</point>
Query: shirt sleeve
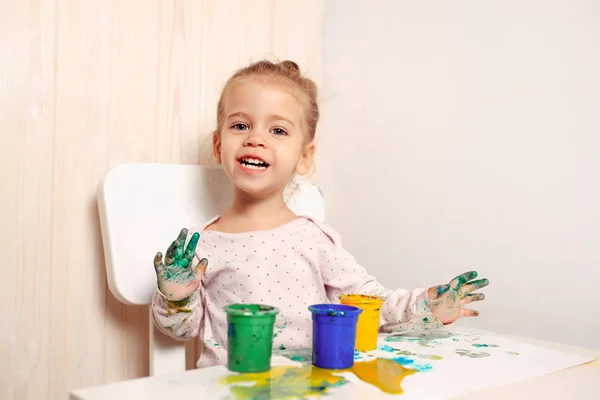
<point>341,274</point>
<point>178,319</point>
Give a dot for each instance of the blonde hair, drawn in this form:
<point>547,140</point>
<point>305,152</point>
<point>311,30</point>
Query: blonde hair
<point>285,73</point>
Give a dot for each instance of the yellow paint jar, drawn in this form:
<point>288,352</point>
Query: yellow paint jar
<point>367,327</point>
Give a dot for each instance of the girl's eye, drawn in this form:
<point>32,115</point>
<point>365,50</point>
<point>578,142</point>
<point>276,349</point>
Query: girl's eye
<point>278,132</point>
<point>240,127</point>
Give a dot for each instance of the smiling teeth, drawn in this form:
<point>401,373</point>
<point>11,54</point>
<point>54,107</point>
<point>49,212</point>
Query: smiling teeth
<point>254,167</point>
<point>253,161</point>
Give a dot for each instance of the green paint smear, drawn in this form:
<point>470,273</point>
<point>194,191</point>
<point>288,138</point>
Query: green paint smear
<point>484,345</point>
<point>471,354</point>
<point>428,339</point>
<point>283,383</point>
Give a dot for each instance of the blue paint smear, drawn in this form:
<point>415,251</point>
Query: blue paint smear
<point>412,364</point>
<point>387,348</point>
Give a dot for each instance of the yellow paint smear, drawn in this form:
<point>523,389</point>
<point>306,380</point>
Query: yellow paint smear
<point>285,382</point>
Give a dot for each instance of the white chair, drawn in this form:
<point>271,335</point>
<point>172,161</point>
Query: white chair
<point>142,209</point>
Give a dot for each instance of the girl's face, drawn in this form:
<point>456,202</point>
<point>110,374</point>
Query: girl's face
<point>262,143</point>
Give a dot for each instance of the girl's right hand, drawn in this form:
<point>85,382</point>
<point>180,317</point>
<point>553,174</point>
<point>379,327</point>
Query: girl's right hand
<point>178,279</point>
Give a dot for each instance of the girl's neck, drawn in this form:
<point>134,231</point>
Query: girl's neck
<point>247,214</point>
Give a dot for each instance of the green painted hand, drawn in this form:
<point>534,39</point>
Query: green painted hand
<point>447,301</point>
<point>178,279</point>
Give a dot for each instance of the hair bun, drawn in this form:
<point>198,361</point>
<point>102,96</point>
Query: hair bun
<point>291,66</point>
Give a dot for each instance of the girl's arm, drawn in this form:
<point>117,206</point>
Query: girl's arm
<point>180,320</point>
<point>341,274</point>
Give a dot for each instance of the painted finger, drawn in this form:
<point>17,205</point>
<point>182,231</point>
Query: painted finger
<point>201,267</point>
<point>191,248</point>
<point>467,312</point>
<point>180,242</point>
<point>170,254</point>
<point>471,298</point>
<point>472,286</point>
<point>159,267</point>
<point>462,279</point>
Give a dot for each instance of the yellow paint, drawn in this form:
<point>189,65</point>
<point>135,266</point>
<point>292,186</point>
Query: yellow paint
<point>367,327</point>
<point>434,357</point>
<point>386,374</point>
<point>287,382</point>
<point>283,383</point>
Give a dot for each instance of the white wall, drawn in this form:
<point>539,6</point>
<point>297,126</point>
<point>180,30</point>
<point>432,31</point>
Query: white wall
<point>461,135</point>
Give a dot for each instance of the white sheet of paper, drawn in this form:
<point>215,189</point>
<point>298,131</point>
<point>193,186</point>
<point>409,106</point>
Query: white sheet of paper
<point>498,361</point>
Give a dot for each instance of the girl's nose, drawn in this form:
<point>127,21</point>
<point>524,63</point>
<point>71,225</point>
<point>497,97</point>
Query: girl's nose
<point>255,140</point>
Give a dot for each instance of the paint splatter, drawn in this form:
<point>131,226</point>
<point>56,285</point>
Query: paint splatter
<point>281,347</point>
<point>431,356</point>
<point>278,329</point>
<point>426,339</point>
<point>471,354</point>
<point>484,345</point>
<point>302,354</point>
<point>455,339</point>
<point>512,353</point>
<point>385,374</point>
<point>283,383</point>
<point>412,364</point>
<point>386,348</point>
<point>405,353</point>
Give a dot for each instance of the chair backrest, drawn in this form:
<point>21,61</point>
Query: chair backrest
<point>143,207</point>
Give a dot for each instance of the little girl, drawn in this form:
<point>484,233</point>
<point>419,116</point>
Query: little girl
<point>259,250</point>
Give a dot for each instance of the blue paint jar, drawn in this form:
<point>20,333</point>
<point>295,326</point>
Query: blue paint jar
<point>334,335</point>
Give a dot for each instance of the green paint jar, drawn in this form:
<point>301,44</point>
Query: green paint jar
<point>250,336</point>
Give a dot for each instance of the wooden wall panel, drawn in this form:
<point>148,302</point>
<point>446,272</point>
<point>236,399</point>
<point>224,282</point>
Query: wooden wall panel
<point>85,86</point>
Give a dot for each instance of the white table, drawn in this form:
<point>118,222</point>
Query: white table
<point>582,381</point>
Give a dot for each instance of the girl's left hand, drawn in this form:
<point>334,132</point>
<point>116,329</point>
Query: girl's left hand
<point>447,301</point>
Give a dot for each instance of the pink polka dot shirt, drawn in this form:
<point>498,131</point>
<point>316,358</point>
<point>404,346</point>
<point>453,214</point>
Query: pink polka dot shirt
<point>290,267</point>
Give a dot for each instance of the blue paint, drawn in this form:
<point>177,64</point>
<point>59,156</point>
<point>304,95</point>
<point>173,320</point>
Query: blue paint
<point>412,364</point>
<point>387,348</point>
<point>357,355</point>
<point>334,334</point>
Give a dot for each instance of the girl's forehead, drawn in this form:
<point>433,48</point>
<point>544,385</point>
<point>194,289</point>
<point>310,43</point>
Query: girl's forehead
<point>260,96</point>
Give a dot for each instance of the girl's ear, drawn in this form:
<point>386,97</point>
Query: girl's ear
<point>216,147</point>
<point>306,160</point>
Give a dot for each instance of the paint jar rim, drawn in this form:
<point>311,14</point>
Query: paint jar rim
<point>361,299</point>
<point>250,310</point>
<point>334,310</point>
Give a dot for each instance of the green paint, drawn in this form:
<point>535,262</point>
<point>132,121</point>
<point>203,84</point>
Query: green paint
<point>169,328</point>
<point>425,339</point>
<point>250,336</point>
<point>405,353</point>
<point>442,289</point>
<point>177,304</point>
<point>484,345</point>
<point>281,347</point>
<point>431,356</point>
<point>471,354</point>
<point>283,383</point>
<point>335,313</point>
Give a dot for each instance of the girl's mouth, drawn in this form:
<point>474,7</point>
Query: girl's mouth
<point>253,163</point>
